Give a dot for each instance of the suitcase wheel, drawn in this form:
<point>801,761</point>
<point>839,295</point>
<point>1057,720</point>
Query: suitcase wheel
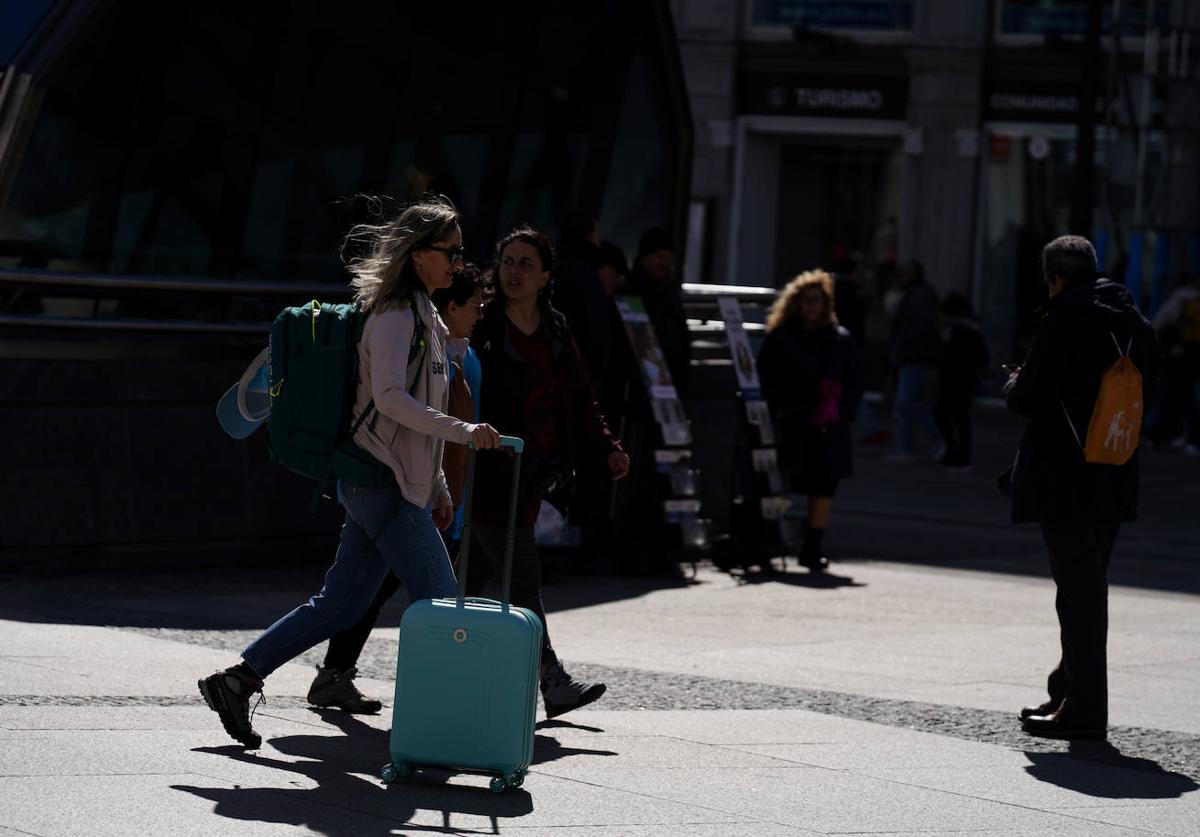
<point>498,784</point>
<point>517,779</point>
<point>392,772</point>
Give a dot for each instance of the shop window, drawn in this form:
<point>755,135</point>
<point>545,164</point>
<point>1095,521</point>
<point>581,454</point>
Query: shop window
<point>231,145</point>
<point>1069,17</point>
<point>1027,202</point>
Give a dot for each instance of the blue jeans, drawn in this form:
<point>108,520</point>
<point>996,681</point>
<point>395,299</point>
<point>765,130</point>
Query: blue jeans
<point>913,385</point>
<point>405,541</point>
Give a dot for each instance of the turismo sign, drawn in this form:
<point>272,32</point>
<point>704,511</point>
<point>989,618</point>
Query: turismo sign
<point>795,94</point>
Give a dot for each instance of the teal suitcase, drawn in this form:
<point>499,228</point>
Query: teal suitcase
<point>467,674</point>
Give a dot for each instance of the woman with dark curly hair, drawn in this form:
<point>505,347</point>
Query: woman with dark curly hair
<point>538,389</point>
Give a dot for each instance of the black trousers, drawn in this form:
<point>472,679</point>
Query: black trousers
<point>486,560</point>
<point>953,414</point>
<point>1079,554</point>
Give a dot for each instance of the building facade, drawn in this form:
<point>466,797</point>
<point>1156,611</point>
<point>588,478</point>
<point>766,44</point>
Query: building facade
<point>858,134</point>
<point>173,174</point>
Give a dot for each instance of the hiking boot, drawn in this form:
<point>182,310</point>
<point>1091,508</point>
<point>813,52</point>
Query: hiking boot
<point>228,694</point>
<point>561,692</point>
<point>336,688</point>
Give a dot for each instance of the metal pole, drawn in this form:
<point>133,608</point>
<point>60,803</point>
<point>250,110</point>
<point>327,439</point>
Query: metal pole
<point>1083,194</point>
<point>1110,133</point>
<point>1149,61</point>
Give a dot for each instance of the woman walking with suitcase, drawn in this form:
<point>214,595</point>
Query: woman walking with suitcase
<point>404,401</point>
<point>538,389</point>
<point>459,307</point>
<point>811,378</point>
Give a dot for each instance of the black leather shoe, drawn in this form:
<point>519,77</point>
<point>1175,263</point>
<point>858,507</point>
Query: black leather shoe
<point>1047,708</point>
<point>1064,724</point>
<point>814,563</point>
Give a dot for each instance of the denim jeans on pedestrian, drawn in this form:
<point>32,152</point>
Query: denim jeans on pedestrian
<point>405,540</point>
<point>914,385</point>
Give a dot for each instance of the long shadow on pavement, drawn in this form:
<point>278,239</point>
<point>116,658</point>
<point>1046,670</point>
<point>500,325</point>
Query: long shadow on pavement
<point>816,581</point>
<point>197,598</point>
<point>1097,768</point>
<point>345,804</point>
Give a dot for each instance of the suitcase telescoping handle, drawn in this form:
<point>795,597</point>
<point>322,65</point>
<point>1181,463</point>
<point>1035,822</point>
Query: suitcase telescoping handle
<point>464,549</point>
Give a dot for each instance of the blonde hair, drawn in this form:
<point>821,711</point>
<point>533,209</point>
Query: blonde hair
<point>385,272</point>
<point>787,304</point>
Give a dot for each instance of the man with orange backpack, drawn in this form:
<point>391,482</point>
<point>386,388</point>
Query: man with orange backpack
<point>1082,390</point>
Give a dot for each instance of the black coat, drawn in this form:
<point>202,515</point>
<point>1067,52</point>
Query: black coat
<point>507,379</point>
<point>579,295</point>
<point>915,338</point>
<point>791,364</point>
<point>1050,481</point>
<point>964,355</point>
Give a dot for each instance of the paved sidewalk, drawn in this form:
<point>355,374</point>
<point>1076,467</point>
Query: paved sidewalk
<point>881,704</point>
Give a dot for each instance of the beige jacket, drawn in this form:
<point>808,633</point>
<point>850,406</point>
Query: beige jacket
<point>406,432</point>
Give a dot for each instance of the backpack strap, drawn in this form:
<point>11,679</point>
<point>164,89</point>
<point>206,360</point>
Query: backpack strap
<point>1116,343</point>
<point>416,348</point>
<point>1071,425</point>
<point>1122,353</point>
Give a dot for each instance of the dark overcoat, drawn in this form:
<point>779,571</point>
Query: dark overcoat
<point>1077,341</point>
<point>791,364</point>
<point>507,384</point>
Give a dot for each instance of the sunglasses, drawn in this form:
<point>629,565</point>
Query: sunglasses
<point>454,254</point>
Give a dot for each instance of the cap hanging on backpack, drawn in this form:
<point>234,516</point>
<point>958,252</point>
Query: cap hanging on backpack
<point>247,404</point>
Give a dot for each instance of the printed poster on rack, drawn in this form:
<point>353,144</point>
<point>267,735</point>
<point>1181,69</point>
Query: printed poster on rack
<point>651,361</point>
<point>656,376</point>
<point>739,348</point>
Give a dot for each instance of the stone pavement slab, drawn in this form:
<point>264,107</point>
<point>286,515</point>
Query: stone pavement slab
<point>1177,817</point>
<point>157,771</point>
<point>734,708</point>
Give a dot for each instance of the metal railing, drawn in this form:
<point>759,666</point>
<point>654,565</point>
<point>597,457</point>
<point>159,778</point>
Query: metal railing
<point>169,283</point>
<point>698,295</point>
<point>103,284</point>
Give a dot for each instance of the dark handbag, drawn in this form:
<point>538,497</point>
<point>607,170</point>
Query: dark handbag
<point>551,477</point>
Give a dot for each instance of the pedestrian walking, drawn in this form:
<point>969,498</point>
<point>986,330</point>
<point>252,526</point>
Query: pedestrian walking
<point>459,307</point>
<point>964,354</point>
<point>1081,389</point>
<point>1175,419</point>
<point>405,428</point>
<point>579,294</point>
<point>536,388</point>
<point>915,354</point>
<point>811,376</point>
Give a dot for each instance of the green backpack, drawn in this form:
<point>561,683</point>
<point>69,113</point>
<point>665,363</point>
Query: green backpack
<point>313,363</point>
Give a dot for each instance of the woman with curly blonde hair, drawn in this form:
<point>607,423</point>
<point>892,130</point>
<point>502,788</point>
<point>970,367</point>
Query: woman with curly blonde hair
<point>811,378</point>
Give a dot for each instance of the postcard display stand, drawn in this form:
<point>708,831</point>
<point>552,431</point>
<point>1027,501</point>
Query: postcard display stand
<point>673,461</point>
<point>758,502</point>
